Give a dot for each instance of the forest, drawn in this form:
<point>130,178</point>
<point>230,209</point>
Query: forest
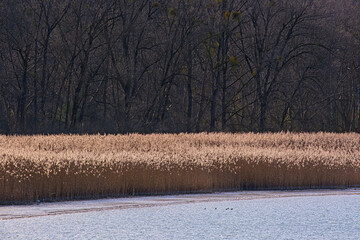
<point>145,66</point>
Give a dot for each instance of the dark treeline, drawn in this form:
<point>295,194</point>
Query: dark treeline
<point>121,66</point>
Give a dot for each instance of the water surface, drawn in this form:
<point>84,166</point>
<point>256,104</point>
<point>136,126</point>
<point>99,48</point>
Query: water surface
<point>317,214</point>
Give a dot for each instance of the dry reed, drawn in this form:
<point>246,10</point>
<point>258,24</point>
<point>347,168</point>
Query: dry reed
<point>64,167</point>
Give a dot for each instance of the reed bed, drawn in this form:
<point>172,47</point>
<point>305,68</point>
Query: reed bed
<point>65,167</point>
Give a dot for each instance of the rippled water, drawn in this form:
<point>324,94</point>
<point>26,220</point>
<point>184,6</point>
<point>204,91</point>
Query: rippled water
<point>243,215</point>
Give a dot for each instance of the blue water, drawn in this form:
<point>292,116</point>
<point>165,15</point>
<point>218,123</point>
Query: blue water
<point>302,216</point>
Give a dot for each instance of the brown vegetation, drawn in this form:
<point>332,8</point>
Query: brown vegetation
<point>60,167</point>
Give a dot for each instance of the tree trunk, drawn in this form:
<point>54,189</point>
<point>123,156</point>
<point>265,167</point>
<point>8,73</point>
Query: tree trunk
<point>189,93</point>
<point>213,105</point>
<point>263,109</point>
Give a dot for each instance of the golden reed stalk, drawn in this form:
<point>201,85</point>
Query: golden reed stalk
<point>62,167</point>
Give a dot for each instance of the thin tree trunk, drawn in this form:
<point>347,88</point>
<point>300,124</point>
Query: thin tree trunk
<point>24,90</point>
<point>189,93</point>
<point>263,109</point>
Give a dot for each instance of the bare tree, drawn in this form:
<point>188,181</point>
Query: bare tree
<point>275,36</point>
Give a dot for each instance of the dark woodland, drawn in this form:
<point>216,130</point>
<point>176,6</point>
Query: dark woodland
<point>122,66</point>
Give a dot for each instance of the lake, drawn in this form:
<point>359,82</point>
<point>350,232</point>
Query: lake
<point>306,214</point>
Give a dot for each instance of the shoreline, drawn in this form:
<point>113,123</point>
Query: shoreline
<point>9,212</point>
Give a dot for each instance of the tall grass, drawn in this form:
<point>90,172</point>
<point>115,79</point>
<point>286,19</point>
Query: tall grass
<point>61,167</point>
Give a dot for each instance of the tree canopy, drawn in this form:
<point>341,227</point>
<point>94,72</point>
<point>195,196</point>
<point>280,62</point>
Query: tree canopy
<point>120,66</point>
